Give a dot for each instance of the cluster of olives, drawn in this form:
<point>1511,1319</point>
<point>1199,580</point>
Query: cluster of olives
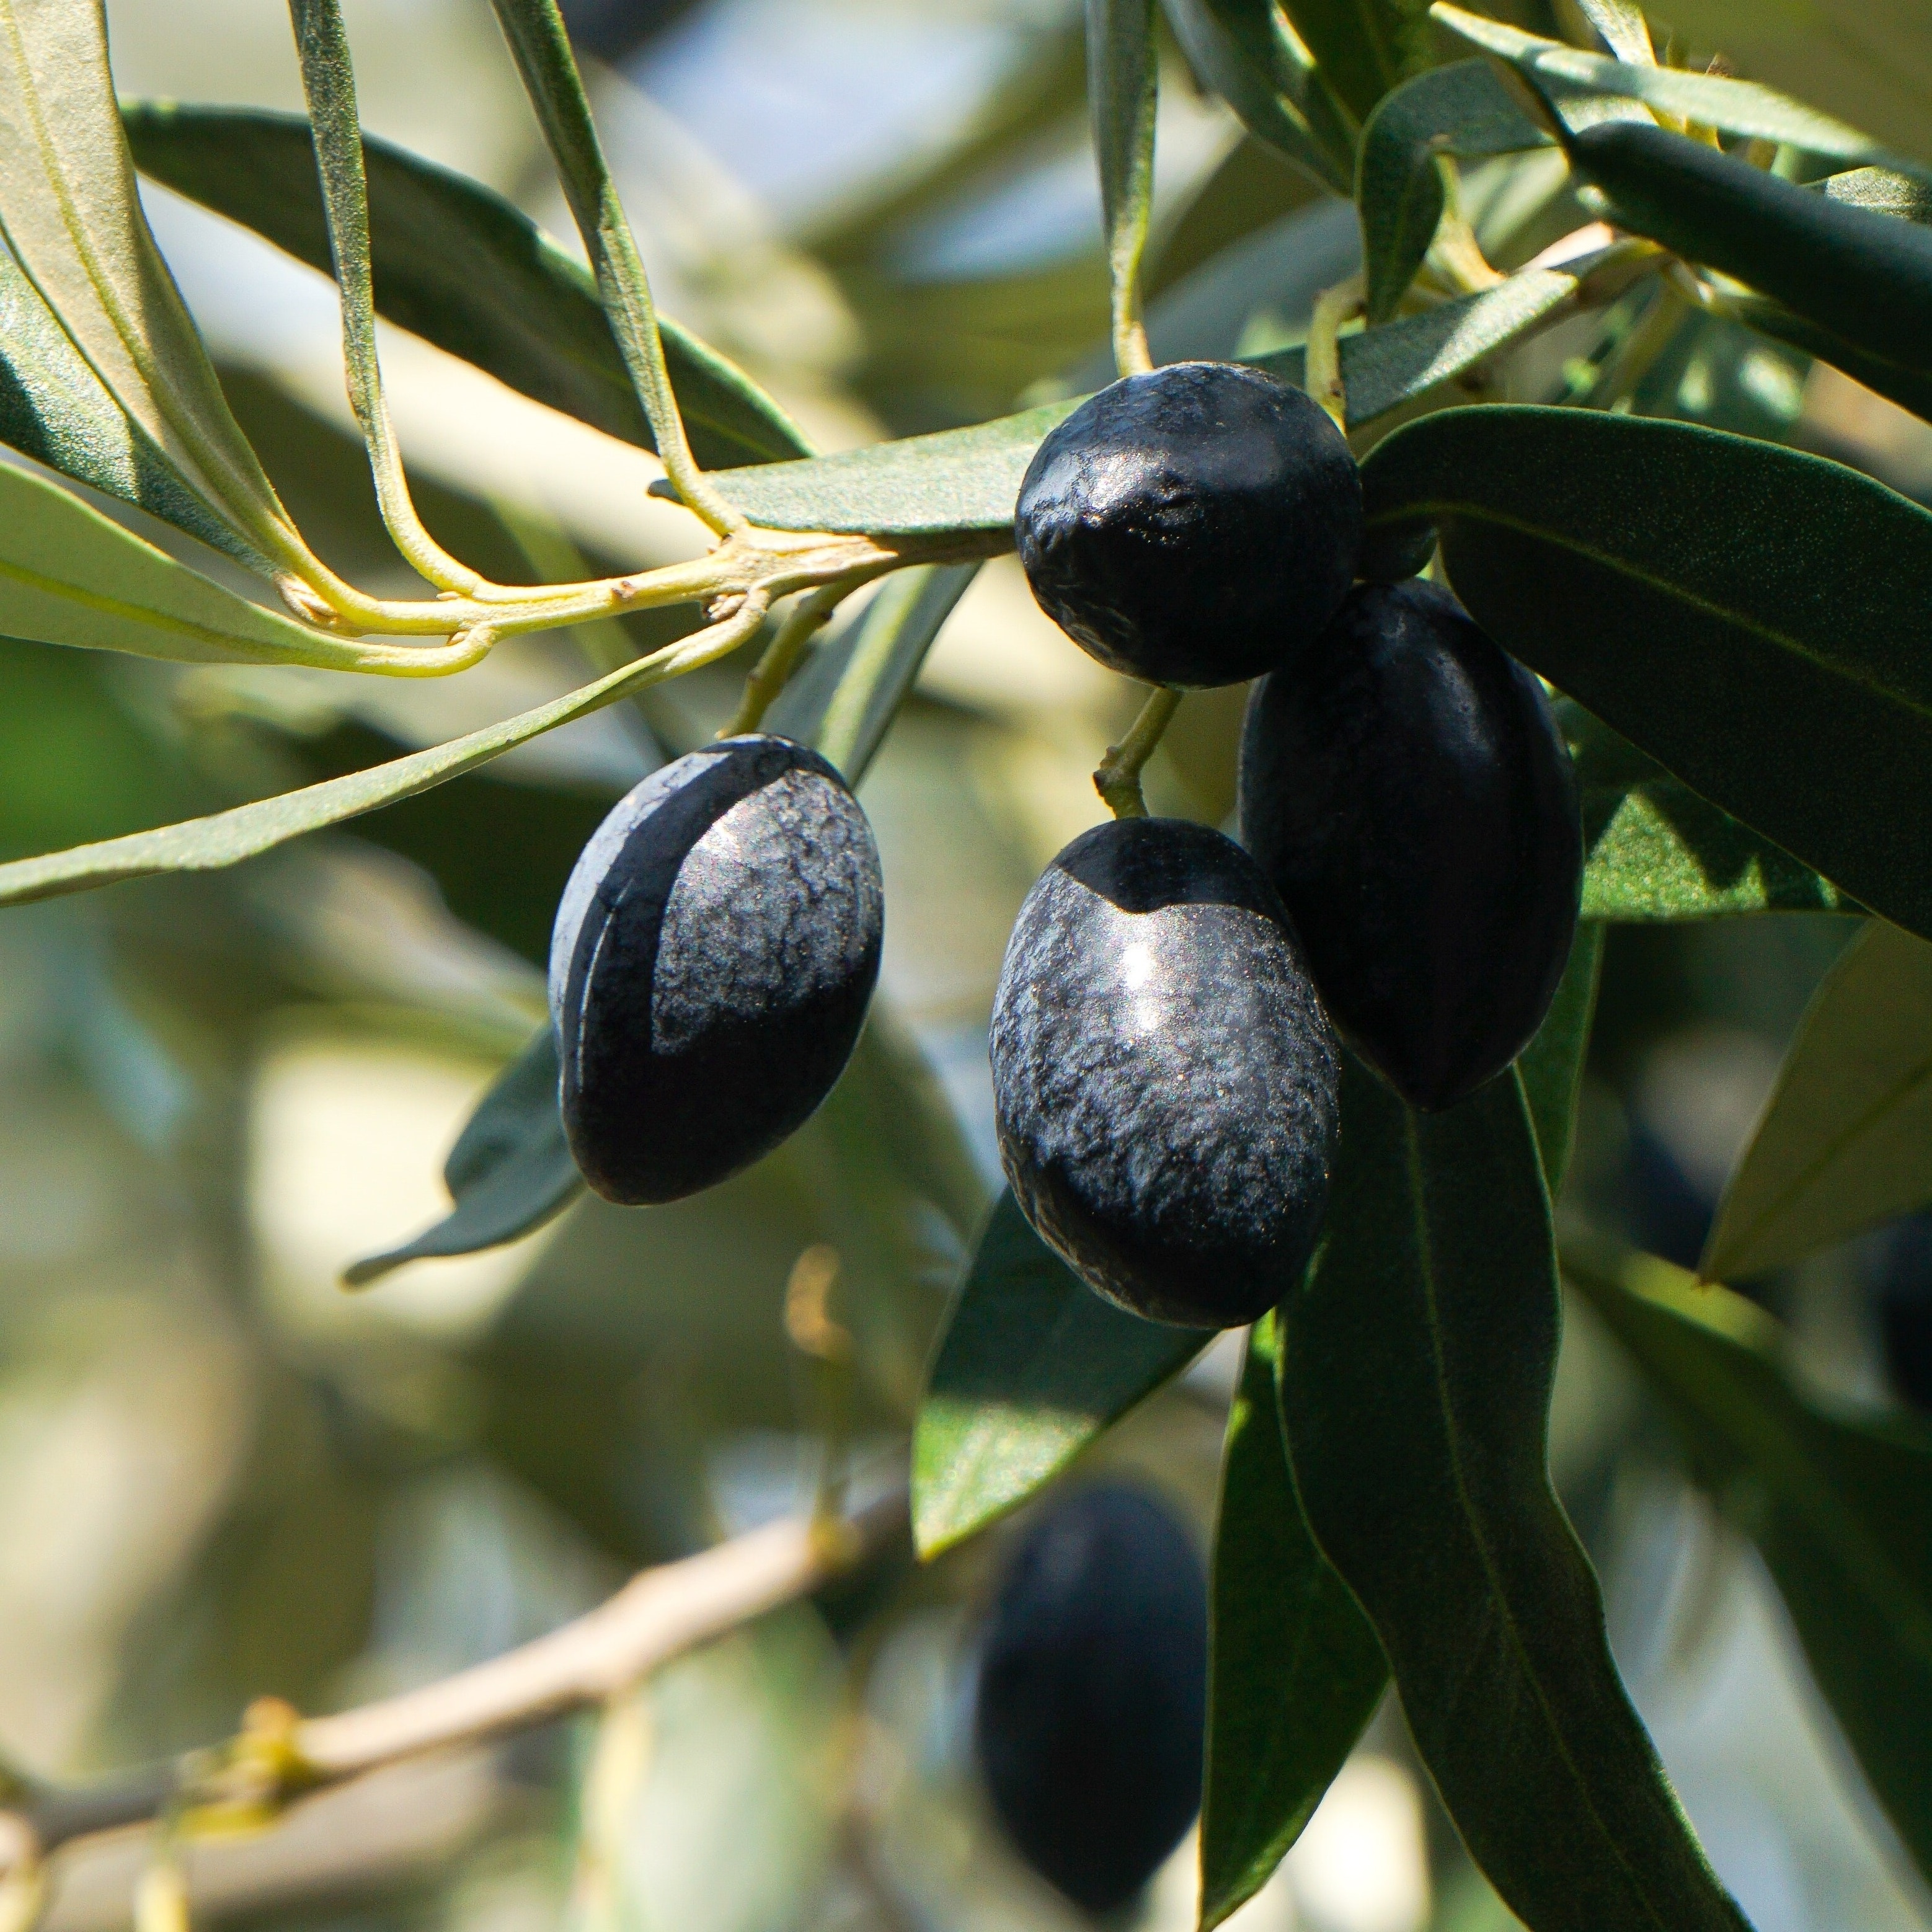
<point>1165,1070</point>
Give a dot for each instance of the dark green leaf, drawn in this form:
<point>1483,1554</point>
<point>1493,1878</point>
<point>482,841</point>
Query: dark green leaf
<point>1362,48</point>
<point>1295,1670</point>
<point>1033,1366</point>
<point>1905,385</point>
<point>509,1172</point>
<point>1552,1065</point>
<point>1845,1139</point>
<point>1656,851</point>
<point>1464,110</point>
<point>1417,1362</point>
<point>458,265</point>
<point>1865,276</point>
<point>1240,49</point>
<point>1841,1507</point>
<point>1748,616</point>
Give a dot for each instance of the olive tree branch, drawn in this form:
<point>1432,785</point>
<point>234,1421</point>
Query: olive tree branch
<point>279,1757</point>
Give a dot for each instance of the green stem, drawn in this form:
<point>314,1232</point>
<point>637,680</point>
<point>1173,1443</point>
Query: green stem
<point>541,47</point>
<point>1118,780</point>
<point>802,623</point>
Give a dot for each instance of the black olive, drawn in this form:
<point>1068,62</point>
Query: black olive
<point>1197,525</point>
<point>1406,788</point>
<point>1093,1692</point>
<point>714,954</point>
<point>1164,1078</point>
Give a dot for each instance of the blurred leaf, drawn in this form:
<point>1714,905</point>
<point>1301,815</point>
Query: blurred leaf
<point>1841,1508</point>
<point>1033,1366</point>
<point>1899,383</point>
<point>1883,191</point>
<point>1295,1670</point>
<point>73,221</point>
<point>845,700</point>
<point>1552,1065</point>
<point>1622,27</point>
<point>1241,49</point>
<point>1121,99</point>
<point>1845,1141</point>
<point>458,265</point>
<point>1464,110</point>
<point>1734,107</point>
<point>1748,616</point>
<point>1655,850</point>
<point>509,1172</point>
<point>1865,276</point>
<point>1417,1360</point>
<point>1362,48</point>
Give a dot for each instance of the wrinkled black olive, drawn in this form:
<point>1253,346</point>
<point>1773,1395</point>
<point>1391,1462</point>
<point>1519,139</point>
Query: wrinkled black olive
<point>1905,1311</point>
<point>1093,1692</point>
<point>1197,525</point>
<point>1405,787</point>
<point>714,954</point>
<point>1164,1078</point>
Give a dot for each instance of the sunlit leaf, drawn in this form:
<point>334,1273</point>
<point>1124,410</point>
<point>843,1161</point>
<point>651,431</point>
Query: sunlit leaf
<point>1362,48</point>
<point>1417,1364</point>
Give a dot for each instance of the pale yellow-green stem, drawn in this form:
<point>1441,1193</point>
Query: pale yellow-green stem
<point>1118,779</point>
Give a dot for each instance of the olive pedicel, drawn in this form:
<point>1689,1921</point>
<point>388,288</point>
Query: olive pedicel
<point>1405,787</point>
<point>714,954</point>
<point>1164,1077</point>
<point>1093,1692</point>
<point>1195,525</point>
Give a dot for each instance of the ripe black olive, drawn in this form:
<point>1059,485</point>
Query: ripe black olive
<point>714,954</point>
<point>1405,787</point>
<point>1196,525</point>
<point>1905,1311</point>
<point>1164,1078</point>
<point>1093,1692</point>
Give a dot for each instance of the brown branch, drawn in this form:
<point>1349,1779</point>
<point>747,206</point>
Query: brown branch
<point>658,1616</point>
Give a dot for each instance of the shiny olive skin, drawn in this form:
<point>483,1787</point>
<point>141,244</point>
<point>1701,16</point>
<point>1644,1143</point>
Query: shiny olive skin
<point>1405,788</point>
<point>714,954</point>
<point>1195,525</point>
<point>1093,1692</point>
<point>1164,1078</point>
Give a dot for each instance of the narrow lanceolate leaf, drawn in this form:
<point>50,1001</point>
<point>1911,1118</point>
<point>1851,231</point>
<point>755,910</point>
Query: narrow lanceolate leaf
<point>1623,29</point>
<point>73,220</point>
<point>1033,1366</point>
<point>1654,850</point>
<point>1734,107</point>
<point>1747,615</point>
<point>1417,1361</point>
<point>68,575</point>
<point>226,838</point>
<point>1362,48</point>
<point>1840,1507</point>
<point>1295,1670</point>
<point>1865,276</point>
<point>55,409</point>
<point>509,1172</point>
<point>1552,1066</point>
<point>1463,110</point>
<point>1908,386</point>
<point>1122,95</point>
<point>1246,51</point>
<point>462,267</point>
<point>1845,1138</point>
<point>844,701</point>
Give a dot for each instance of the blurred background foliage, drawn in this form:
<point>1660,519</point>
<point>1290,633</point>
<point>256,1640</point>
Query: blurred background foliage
<point>221,1477</point>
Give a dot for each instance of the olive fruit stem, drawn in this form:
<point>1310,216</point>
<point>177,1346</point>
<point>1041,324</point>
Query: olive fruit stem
<point>767,678</point>
<point>1332,308</point>
<point>1118,779</point>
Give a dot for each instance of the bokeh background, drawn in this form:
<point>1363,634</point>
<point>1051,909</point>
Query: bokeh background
<point>221,1476</point>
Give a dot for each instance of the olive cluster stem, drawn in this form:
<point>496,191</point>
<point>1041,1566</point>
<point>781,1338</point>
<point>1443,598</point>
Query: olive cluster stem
<point>1322,368</point>
<point>1118,778</point>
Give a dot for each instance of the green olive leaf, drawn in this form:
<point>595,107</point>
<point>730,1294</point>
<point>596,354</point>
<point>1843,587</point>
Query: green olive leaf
<point>1864,276</point>
<point>1122,95</point>
<point>1552,1065</point>
<point>509,1172</point>
<point>1463,110</point>
<point>1362,48</point>
<point>1845,1141</point>
<point>1417,1360</point>
<point>1246,51</point>
<point>73,221</point>
<point>1623,29</point>
<point>1654,850</point>
<point>456,264</point>
<point>1840,1506</point>
<point>1908,386</point>
<point>1033,1366</point>
<point>1295,1670</point>
<point>1747,615</point>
